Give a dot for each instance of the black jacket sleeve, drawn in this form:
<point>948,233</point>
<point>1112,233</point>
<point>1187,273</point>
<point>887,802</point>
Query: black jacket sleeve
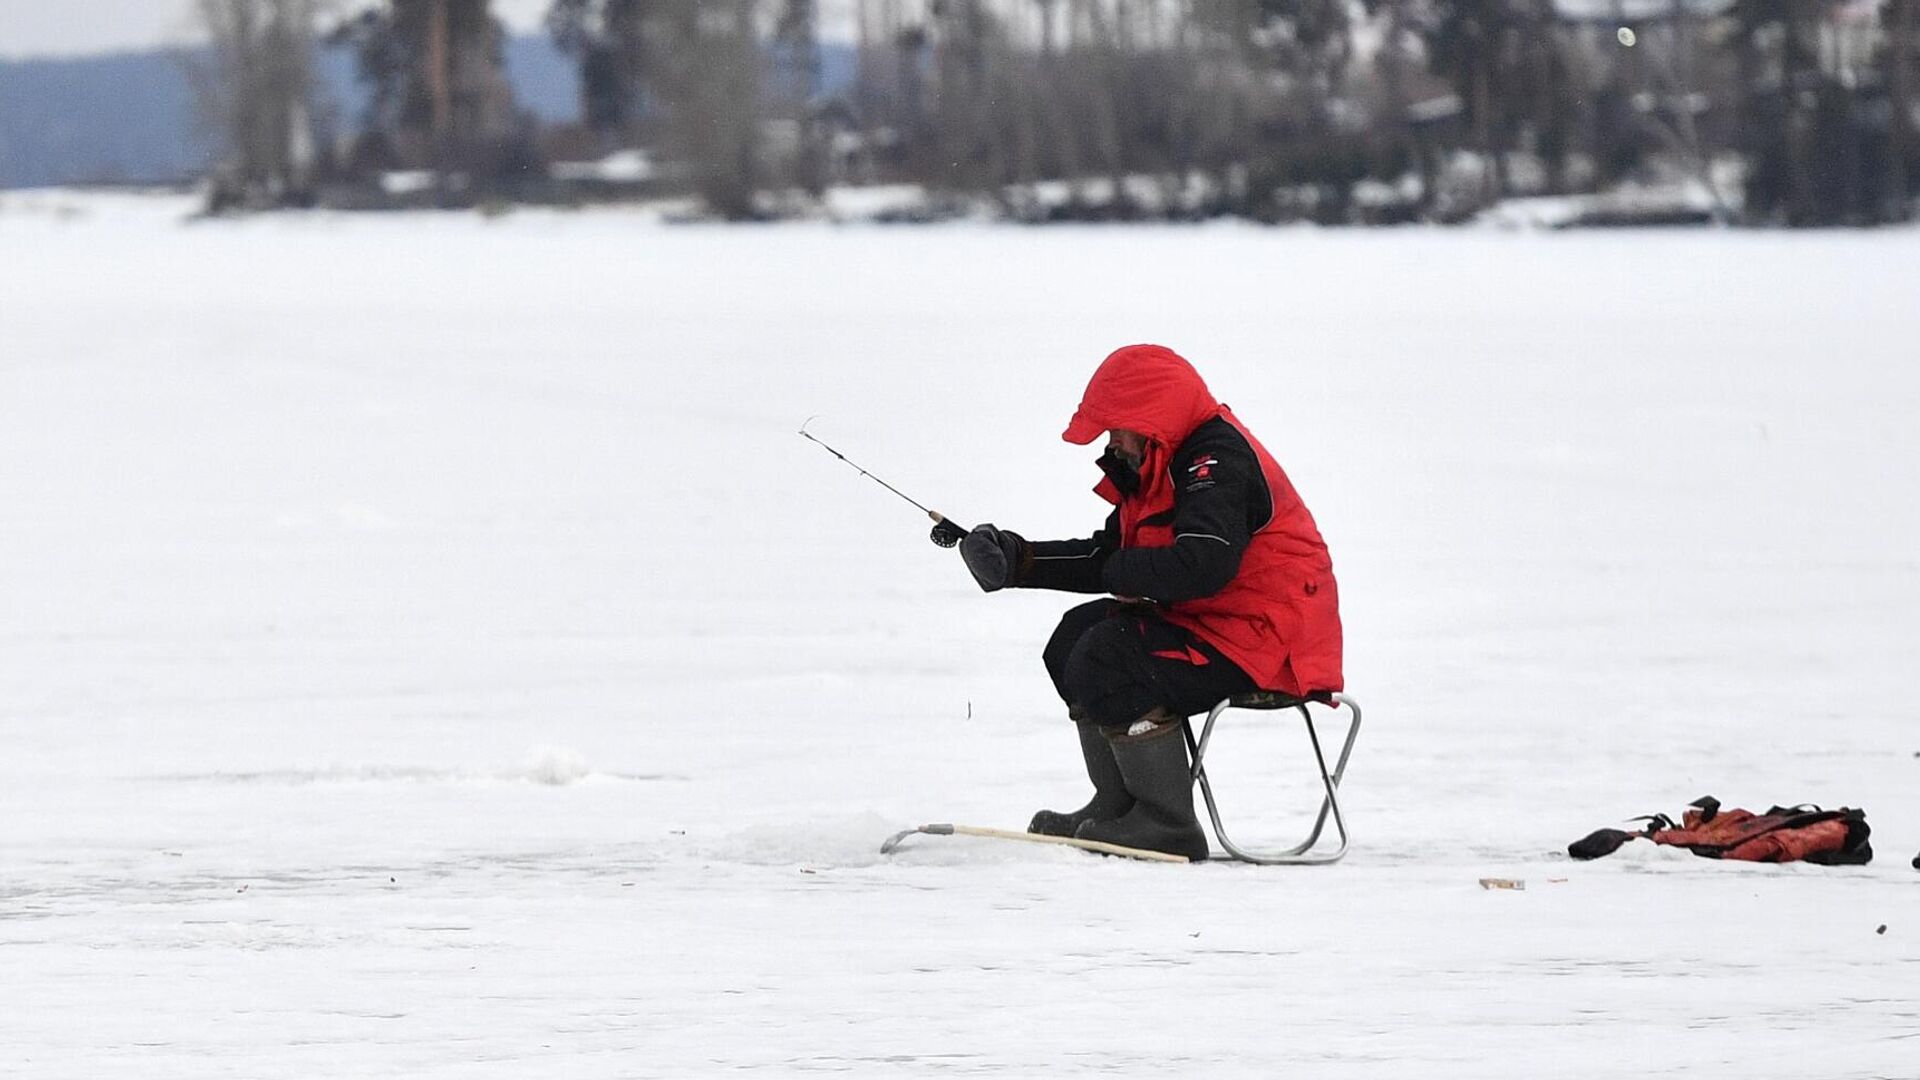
<point>1072,565</point>
<point>1220,497</point>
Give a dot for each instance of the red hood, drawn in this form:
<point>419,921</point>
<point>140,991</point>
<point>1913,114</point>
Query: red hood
<point>1149,389</point>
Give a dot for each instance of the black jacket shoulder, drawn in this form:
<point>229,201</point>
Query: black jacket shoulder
<point>1218,452</point>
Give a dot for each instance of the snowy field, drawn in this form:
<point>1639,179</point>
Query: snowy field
<point>427,650</point>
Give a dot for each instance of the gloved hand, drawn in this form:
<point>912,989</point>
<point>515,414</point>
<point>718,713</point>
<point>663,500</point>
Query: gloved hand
<point>996,558</point>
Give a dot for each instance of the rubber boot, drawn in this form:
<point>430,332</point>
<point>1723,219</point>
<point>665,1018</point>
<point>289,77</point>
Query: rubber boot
<point>1154,766</point>
<point>1110,798</point>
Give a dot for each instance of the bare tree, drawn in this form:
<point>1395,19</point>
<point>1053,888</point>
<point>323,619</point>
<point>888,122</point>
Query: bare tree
<point>1900,140</point>
<point>256,89</point>
<point>796,41</point>
<point>711,96</point>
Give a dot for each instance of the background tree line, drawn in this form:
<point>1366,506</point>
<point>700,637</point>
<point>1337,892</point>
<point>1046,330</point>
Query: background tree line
<point>1798,112</point>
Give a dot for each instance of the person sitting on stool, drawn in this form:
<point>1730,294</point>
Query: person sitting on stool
<point>1220,584</point>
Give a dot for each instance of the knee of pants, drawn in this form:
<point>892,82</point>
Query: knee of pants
<point>1074,625</point>
<point>1102,678</point>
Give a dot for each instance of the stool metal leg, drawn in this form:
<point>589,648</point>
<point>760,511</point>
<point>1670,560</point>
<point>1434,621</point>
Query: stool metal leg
<point>1330,781</point>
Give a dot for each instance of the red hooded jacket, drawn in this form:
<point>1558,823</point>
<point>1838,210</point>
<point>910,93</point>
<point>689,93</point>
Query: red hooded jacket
<point>1279,617</point>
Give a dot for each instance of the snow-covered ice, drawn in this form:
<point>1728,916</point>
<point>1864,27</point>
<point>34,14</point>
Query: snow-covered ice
<point>427,650</point>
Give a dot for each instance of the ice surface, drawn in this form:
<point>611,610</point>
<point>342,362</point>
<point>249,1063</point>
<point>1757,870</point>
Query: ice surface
<point>428,651</point>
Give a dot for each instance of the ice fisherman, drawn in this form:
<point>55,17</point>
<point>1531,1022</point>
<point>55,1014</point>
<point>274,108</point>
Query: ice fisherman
<point>1219,584</point>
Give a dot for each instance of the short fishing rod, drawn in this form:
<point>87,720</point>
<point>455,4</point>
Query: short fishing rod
<point>945,533</point>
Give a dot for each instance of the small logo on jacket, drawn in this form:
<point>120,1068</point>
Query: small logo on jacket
<point>1200,473</point>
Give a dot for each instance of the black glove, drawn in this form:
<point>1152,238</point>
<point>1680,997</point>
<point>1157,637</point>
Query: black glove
<point>995,557</point>
<point>1598,843</point>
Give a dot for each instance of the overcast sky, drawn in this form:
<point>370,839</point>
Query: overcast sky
<point>75,27</point>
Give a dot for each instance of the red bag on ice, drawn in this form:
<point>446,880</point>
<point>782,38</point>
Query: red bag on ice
<point>1782,834</point>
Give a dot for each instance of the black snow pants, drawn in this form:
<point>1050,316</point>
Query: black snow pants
<point>1116,662</point>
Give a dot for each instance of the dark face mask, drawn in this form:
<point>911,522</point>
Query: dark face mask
<point>1124,474</point>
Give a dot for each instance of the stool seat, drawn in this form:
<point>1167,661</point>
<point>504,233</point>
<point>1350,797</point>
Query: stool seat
<point>1275,699</point>
<point>1302,853</point>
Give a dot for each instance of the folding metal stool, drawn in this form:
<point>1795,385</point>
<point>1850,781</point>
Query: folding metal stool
<point>1303,853</point>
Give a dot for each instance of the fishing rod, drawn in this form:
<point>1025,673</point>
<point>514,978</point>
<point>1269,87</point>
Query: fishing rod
<point>945,533</point>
